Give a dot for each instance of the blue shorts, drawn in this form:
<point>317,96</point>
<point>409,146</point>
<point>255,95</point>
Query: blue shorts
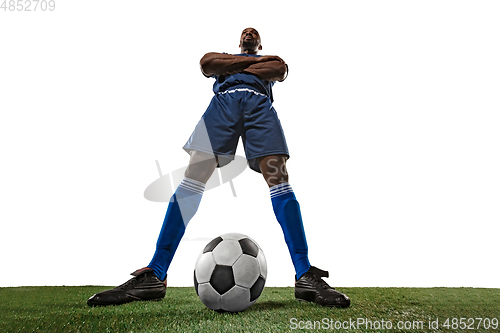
<point>239,111</point>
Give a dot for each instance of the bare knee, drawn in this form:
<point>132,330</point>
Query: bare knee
<point>201,166</point>
<point>273,169</point>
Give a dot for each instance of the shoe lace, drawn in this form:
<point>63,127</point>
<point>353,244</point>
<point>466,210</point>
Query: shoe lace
<point>317,275</point>
<point>321,282</point>
<point>132,282</point>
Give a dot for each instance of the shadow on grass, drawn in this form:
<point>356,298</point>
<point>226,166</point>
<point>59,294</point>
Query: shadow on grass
<point>273,305</point>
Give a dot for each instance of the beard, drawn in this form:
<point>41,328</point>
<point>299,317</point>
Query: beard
<point>250,44</point>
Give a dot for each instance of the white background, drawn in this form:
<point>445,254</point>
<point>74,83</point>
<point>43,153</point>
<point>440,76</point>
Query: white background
<point>391,112</point>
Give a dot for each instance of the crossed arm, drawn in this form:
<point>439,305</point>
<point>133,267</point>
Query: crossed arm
<point>269,68</point>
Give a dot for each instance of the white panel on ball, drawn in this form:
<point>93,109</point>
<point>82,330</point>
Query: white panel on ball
<point>237,299</point>
<point>204,267</point>
<point>209,296</point>
<point>226,252</point>
<point>263,264</point>
<point>246,271</point>
<point>233,235</point>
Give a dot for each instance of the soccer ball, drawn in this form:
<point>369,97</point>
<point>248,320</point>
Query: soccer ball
<point>230,273</point>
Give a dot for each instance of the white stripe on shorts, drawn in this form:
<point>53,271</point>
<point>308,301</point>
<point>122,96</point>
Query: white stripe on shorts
<point>242,89</point>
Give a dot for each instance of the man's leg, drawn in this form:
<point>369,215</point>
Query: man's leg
<point>182,207</point>
<point>149,282</point>
<point>309,285</point>
<point>287,210</point>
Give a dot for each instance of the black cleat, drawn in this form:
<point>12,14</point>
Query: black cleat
<point>144,286</point>
<point>311,287</point>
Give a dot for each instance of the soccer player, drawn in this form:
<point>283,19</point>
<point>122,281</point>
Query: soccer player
<point>241,107</point>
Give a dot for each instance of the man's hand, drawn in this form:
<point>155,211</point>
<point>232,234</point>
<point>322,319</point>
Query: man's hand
<point>273,70</point>
<point>224,64</point>
<point>270,58</point>
<point>269,68</point>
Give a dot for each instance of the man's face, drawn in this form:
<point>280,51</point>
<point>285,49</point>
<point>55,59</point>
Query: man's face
<point>250,40</point>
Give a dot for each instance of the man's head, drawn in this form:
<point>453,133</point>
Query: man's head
<point>250,41</point>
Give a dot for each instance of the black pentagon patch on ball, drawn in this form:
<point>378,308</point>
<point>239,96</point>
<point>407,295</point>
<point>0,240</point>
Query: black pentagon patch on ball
<point>213,243</point>
<point>196,283</point>
<point>249,247</point>
<point>257,288</point>
<point>222,279</point>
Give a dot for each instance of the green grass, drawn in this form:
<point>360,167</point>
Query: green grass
<point>64,309</point>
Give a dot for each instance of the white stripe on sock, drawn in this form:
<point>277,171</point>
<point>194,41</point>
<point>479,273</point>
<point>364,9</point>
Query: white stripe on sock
<point>280,189</point>
<point>192,185</point>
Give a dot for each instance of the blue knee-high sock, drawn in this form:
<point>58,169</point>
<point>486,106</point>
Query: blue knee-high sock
<point>287,211</point>
<point>182,207</point>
